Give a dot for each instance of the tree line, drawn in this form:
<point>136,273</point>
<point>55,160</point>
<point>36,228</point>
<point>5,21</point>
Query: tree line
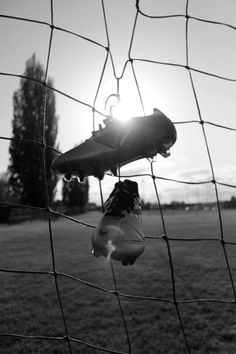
<point>29,179</point>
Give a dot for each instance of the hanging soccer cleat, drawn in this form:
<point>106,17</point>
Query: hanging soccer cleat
<point>117,144</point>
<point>119,233</point>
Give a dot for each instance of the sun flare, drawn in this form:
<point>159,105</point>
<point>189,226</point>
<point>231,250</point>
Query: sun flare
<point>123,112</point>
<point>126,108</point>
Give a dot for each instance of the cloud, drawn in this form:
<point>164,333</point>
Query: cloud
<point>223,174</point>
<point>226,174</point>
<point>195,175</point>
<point>169,190</point>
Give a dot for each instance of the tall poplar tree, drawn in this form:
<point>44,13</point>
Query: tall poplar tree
<point>27,171</point>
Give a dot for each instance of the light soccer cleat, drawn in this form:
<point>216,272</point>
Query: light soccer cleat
<point>119,233</point>
<point>117,144</point>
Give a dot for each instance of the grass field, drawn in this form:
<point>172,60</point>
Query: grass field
<point>29,303</point>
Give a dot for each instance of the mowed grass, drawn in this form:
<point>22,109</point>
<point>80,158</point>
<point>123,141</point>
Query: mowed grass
<point>29,303</point>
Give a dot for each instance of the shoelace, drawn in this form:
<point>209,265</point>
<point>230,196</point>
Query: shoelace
<point>120,199</point>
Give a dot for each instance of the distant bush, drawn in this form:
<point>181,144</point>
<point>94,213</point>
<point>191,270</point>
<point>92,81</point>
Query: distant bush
<point>230,204</point>
<point>75,194</point>
<point>4,213</point>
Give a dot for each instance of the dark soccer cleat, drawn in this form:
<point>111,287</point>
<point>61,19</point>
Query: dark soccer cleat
<point>119,233</point>
<point>117,144</point>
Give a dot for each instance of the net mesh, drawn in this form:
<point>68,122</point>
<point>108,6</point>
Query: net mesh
<point>165,237</point>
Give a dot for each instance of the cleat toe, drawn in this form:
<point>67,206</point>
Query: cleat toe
<point>95,253</point>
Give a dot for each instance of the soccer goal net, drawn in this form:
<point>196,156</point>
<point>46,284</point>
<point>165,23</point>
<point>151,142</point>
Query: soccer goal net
<point>179,57</point>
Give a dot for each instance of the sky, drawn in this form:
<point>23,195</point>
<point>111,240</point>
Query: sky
<point>76,66</point>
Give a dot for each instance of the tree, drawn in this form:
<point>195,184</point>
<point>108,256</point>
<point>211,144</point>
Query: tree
<point>4,197</point>
<point>75,193</point>
<point>4,187</point>
<point>27,180</point>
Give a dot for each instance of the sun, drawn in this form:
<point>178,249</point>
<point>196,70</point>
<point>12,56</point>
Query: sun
<point>128,104</point>
<point>124,109</point>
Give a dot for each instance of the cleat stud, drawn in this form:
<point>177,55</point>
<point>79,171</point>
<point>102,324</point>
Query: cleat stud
<point>99,175</point>
<point>67,177</point>
<point>81,179</point>
<point>125,263</point>
<point>114,171</point>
